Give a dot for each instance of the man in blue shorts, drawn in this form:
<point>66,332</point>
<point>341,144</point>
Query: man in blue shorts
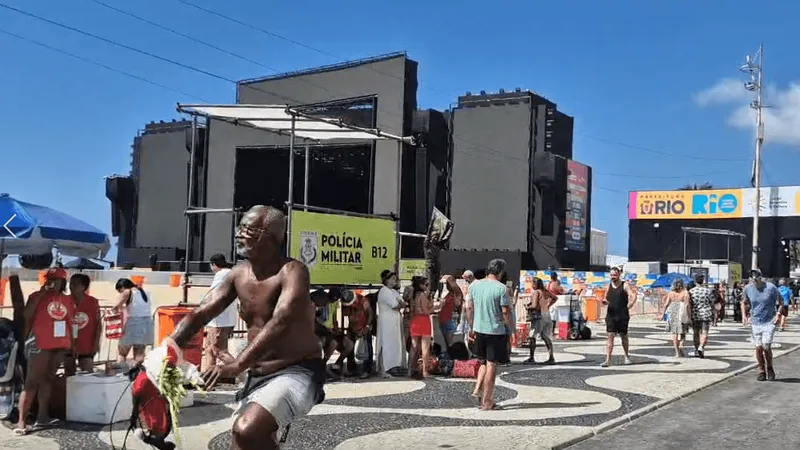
<point>763,298</point>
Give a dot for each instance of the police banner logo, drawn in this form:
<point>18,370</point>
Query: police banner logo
<point>308,248</point>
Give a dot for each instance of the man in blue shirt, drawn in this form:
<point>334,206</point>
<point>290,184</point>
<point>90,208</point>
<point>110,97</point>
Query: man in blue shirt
<point>488,314</point>
<point>786,297</point>
<point>763,298</point>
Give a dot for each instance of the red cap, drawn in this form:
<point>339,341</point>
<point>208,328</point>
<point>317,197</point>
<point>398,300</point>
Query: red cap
<point>56,273</point>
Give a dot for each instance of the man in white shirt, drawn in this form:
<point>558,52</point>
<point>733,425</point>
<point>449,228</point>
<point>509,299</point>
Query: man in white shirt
<point>220,328</point>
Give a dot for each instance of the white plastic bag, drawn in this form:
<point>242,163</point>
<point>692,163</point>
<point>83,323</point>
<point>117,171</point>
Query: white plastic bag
<point>362,353</point>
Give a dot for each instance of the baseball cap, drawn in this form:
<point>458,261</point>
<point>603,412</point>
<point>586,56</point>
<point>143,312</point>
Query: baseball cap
<point>56,273</point>
<point>755,274</point>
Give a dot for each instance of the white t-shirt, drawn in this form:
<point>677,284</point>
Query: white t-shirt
<point>230,316</point>
<point>138,307</point>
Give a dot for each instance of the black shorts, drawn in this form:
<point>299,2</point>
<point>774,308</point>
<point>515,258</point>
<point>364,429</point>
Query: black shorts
<point>701,326</point>
<point>784,310</point>
<point>618,325</point>
<point>491,347</point>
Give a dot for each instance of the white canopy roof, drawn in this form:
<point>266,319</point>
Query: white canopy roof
<point>278,119</point>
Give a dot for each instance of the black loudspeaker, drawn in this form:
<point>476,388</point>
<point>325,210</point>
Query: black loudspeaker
<point>544,169</point>
<point>199,144</point>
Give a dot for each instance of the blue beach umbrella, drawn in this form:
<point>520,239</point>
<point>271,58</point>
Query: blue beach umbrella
<point>28,229</point>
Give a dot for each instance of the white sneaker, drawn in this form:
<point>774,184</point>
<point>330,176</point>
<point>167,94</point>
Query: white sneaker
<point>628,360</point>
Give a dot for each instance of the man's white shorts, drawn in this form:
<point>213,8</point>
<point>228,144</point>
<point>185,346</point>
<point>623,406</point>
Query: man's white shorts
<point>290,393</point>
<point>763,334</point>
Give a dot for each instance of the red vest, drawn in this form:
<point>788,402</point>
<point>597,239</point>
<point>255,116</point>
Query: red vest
<point>85,323</point>
<point>52,322</point>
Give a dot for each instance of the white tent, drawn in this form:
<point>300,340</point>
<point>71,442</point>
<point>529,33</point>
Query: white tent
<point>285,120</point>
<point>288,121</point>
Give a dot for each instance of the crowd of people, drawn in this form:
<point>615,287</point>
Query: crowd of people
<point>760,304</point>
<point>63,328</point>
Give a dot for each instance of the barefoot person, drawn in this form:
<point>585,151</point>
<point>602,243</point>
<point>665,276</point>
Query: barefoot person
<point>48,318</point>
<point>619,299</point>
<point>285,373</point>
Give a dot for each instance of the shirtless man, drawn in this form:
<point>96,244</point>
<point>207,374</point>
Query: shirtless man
<point>285,372</point>
<point>541,301</point>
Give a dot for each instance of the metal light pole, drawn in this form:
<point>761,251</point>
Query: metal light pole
<point>754,67</point>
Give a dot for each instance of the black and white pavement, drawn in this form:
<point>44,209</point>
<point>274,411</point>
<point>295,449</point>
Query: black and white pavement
<point>543,406</point>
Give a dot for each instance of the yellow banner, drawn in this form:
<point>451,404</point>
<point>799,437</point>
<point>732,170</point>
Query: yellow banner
<point>341,249</point>
<point>709,204</point>
<point>411,268</point>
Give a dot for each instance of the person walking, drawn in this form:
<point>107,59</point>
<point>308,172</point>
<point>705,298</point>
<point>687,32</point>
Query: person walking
<point>701,301</point>
<point>763,298</point>
<point>220,329</point>
<point>488,314</point>
<point>679,315</point>
<point>619,299</point>
<point>786,300</point>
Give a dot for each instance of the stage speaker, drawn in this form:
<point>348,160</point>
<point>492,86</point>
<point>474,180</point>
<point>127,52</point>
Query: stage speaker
<point>544,169</point>
<point>200,143</point>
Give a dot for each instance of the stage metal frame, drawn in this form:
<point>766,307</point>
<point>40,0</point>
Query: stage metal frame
<point>716,232</point>
<point>312,129</point>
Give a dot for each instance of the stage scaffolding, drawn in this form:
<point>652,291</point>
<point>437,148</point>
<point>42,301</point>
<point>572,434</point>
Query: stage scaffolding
<point>293,122</point>
<point>715,232</point>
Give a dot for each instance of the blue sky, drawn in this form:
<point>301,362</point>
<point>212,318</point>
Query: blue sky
<point>636,76</point>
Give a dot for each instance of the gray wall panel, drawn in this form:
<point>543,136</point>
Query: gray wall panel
<point>161,190</point>
<point>490,187</point>
<point>383,78</point>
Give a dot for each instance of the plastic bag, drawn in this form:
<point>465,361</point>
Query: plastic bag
<point>362,352</point>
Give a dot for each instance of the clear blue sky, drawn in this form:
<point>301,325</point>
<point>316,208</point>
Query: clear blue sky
<point>632,73</point>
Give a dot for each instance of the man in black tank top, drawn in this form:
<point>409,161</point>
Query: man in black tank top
<point>619,299</point>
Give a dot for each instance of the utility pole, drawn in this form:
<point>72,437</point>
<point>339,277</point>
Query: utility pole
<point>754,67</point>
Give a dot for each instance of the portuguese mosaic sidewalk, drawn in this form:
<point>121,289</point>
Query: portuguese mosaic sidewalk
<point>543,406</point>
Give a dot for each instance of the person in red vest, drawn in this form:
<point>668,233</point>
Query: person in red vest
<point>48,319</point>
<point>86,326</point>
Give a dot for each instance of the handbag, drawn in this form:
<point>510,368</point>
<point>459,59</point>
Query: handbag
<point>114,325</point>
<point>466,369</point>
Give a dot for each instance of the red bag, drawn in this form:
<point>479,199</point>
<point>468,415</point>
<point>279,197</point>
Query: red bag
<point>114,325</point>
<point>466,369</point>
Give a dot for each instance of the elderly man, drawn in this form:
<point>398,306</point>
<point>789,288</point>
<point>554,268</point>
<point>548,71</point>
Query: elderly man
<point>763,298</point>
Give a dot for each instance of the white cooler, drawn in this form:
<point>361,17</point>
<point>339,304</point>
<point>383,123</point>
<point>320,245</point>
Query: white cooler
<point>92,398</point>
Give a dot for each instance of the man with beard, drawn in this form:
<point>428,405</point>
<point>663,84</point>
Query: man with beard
<point>285,374</point>
<point>619,299</point>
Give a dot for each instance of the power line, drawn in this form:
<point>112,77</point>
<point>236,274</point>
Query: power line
<point>220,77</point>
<point>99,64</point>
<point>128,47</point>
<point>656,151</point>
<point>326,53</point>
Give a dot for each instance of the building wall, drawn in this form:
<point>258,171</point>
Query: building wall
<point>384,78</point>
<point>163,162</point>
<point>490,180</point>
<point>665,243</point>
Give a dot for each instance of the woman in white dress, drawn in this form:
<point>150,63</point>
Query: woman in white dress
<point>390,349</point>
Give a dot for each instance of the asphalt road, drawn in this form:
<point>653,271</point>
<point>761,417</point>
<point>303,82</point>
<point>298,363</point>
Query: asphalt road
<point>738,413</point>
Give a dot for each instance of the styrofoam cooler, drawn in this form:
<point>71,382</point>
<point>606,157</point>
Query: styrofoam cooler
<point>94,397</point>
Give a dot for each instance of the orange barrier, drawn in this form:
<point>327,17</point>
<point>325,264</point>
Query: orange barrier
<point>591,309</point>
<point>3,284</point>
<point>42,277</point>
<point>175,280</point>
<point>167,318</point>
<point>137,280</point>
